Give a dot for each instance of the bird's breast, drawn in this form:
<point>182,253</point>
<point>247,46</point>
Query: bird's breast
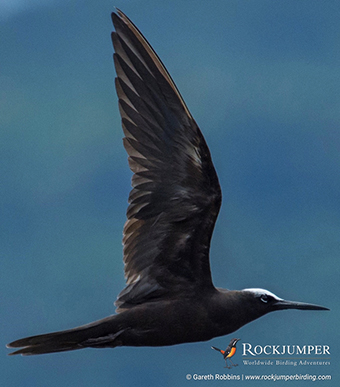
<point>167,323</point>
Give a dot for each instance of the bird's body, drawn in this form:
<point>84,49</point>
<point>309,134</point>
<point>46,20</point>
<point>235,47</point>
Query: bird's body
<point>157,323</point>
<point>169,296</point>
<point>164,322</point>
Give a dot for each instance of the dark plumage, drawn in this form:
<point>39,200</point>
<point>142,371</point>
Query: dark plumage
<point>169,296</point>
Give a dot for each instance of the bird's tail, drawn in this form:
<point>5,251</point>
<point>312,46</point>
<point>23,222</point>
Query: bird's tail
<point>218,350</point>
<point>101,333</point>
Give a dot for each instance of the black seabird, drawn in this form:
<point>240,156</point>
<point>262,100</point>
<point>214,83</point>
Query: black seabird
<point>169,296</point>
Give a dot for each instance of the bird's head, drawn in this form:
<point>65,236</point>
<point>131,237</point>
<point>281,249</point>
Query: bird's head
<point>239,307</point>
<point>263,301</point>
<point>233,342</point>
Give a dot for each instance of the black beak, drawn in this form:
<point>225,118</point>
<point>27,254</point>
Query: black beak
<point>283,304</point>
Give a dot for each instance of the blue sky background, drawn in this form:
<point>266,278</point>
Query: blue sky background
<point>262,80</point>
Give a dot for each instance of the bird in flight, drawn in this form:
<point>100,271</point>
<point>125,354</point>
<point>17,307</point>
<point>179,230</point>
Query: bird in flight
<point>169,296</point>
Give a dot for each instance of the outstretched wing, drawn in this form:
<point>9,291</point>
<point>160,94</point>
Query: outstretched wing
<point>176,196</point>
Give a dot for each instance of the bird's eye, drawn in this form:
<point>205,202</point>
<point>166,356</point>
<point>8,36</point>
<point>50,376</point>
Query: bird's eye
<point>264,298</point>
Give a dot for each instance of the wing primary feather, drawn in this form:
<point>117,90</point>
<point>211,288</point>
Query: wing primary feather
<point>175,196</point>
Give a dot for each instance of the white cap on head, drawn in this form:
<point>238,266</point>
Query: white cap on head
<point>260,292</point>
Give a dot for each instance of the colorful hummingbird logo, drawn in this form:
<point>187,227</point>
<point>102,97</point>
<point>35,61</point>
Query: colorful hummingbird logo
<point>229,352</point>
